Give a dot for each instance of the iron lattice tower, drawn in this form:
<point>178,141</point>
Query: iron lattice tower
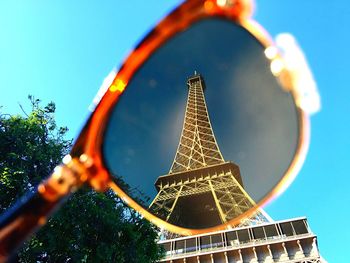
<point>201,189</point>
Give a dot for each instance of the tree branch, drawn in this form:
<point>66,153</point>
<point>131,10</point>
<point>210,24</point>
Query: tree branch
<point>23,110</point>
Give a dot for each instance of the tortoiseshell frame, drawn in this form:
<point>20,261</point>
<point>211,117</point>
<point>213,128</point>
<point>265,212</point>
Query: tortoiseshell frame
<point>87,164</point>
<point>90,142</point>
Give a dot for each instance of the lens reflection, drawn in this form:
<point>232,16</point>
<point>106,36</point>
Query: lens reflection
<point>198,157</point>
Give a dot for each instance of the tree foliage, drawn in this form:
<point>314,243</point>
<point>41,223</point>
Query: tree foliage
<point>94,227</point>
<point>30,147</point>
<point>91,226</point>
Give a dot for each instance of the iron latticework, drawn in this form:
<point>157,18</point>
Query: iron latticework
<point>197,147</point>
<point>201,188</point>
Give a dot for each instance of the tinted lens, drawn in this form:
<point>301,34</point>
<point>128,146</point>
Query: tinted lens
<point>199,150</point>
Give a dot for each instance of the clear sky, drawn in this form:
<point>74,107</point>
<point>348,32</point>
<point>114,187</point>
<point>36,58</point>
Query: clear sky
<point>62,50</point>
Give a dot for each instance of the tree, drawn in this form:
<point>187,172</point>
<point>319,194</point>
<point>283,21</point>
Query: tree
<point>91,226</point>
<point>104,230</point>
<point>30,147</point>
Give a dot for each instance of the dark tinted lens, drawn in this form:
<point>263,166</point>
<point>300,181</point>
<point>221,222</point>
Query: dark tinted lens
<point>237,140</point>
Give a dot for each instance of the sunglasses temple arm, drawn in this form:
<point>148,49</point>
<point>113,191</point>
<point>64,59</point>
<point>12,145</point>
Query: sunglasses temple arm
<point>22,220</point>
<point>32,210</point>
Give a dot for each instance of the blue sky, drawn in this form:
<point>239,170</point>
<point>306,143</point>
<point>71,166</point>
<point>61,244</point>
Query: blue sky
<point>62,50</point>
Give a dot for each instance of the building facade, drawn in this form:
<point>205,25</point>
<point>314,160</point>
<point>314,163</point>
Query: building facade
<point>280,241</point>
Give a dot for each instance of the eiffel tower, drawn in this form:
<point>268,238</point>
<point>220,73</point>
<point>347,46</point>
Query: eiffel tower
<point>201,189</point>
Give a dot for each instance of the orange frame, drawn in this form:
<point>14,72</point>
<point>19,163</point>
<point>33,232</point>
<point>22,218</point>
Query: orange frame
<point>91,139</point>
<point>86,164</point>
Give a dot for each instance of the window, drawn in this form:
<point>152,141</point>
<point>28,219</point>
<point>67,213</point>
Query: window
<point>258,233</point>
<point>271,231</point>
<point>287,229</point>
<point>216,240</point>
<point>232,238</point>
<point>243,236</point>
<point>179,246</point>
<point>191,245</point>
<point>167,248</point>
<point>205,242</point>
<point>300,227</point>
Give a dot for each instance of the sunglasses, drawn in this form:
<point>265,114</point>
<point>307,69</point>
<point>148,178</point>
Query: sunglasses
<point>205,122</point>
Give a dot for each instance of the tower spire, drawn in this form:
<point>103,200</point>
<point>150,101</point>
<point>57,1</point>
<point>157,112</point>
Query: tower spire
<point>197,147</point>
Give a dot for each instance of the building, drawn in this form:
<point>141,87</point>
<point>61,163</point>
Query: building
<point>203,190</point>
<point>281,241</point>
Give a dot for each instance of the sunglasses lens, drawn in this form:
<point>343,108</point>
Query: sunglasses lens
<point>203,130</point>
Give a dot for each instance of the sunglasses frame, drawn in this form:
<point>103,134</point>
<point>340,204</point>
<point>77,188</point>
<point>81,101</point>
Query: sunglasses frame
<point>85,164</point>
<point>90,141</point>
